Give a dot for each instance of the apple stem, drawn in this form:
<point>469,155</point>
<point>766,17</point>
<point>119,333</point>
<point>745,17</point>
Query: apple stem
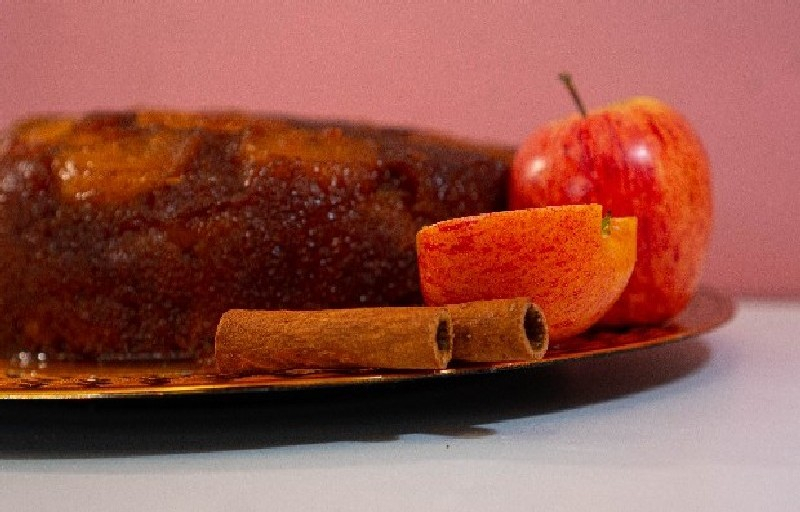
<point>566,78</point>
<point>606,224</point>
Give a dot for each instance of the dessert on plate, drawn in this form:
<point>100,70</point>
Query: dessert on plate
<point>133,232</point>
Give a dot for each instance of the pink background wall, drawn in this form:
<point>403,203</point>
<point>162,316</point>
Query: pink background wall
<point>484,70</point>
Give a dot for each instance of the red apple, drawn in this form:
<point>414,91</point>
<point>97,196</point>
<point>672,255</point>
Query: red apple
<point>636,158</point>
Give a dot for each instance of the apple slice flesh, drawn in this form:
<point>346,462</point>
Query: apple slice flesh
<point>559,257</point>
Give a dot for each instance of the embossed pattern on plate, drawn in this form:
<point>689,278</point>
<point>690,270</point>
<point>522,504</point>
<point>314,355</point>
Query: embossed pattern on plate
<point>70,380</point>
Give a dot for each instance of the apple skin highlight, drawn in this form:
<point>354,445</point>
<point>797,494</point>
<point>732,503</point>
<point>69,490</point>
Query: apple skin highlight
<point>636,158</point>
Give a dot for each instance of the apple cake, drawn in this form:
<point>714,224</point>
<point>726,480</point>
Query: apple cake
<point>132,232</point>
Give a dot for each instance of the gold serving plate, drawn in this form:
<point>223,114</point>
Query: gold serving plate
<point>29,376</point>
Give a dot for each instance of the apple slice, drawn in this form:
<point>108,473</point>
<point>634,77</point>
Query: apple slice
<point>567,259</point>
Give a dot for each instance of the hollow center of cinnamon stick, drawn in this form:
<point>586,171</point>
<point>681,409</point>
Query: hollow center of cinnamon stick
<point>534,328</point>
<point>442,336</point>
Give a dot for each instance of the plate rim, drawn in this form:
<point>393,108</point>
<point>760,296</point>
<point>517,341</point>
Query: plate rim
<point>260,384</point>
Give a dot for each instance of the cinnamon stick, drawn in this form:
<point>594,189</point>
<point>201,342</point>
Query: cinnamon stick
<point>498,330</point>
<point>249,341</point>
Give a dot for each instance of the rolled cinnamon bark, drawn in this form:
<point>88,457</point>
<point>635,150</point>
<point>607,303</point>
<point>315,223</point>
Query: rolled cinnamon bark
<point>250,341</point>
<point>498,330</point>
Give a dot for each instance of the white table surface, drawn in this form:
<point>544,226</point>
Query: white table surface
<point>711,423</point>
